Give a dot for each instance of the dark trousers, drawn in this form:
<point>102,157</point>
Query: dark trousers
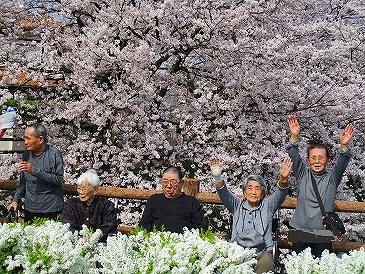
<point>316,248</point>
<point>29,216</point>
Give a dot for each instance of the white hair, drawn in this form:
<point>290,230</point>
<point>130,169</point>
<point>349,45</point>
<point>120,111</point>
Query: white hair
<point>91,176</point>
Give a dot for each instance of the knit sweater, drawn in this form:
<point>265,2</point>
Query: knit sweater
<point>258,217</point>
<point>307,215</point>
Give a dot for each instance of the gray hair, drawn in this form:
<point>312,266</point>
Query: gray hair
<point>91,176</point>
<point>174,170</point>
<point>257,178</point>
<point>39,130</point>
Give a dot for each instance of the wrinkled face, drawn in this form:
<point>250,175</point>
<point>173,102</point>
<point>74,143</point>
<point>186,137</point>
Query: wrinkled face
<point>86,192</point>
<point>31,142</point>
<point>171,185</point>
<point>317,159</point>
<point>253,193</point>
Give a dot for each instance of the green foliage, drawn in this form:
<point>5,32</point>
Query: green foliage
<point>173,264</point>
<point>208,235</point>
<point>38,253</point>
<point>193,259</point>
<point>28,110</point>
<point>156,230</point>
<point>5,252</point>
<point>12,102</point>
<point>37,221</point>
<point>30,102</point>
<point>165,239</point>
<point>138,229</point>
<point>150,267</point>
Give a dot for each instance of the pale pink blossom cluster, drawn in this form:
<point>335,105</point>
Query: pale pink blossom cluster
<point>152,83</point>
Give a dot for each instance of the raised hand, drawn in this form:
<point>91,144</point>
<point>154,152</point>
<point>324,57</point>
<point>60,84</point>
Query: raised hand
<point>285,168</point>
<point>294,127</point>
<point>347,134</point>
<point>216,169</point>
<point>214,162</point>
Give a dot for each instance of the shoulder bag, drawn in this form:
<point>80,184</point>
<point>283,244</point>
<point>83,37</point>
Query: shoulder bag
<point>330,220</point>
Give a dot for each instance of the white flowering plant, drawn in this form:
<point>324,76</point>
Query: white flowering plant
<point>50,247</point>
<point>166,252</point>
<point>304,262</point>
<point>46,247</point>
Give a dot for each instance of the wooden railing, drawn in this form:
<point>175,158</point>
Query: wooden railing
<point>191,187</point>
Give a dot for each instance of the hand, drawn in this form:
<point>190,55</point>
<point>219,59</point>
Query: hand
<point>294,127</point>
<point>213,162</point>
<point>25,166</point>
<point>285,168</point>
<point>347,134</point>
<point>216,168</point>
<point>13,205</point>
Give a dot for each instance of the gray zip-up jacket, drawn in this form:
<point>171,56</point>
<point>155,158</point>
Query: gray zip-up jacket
<point>258,218</point>
<point>43,189</point>
<point>307,215</point>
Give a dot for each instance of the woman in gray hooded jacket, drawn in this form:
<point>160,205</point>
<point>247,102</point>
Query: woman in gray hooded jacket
<point>252,215</point>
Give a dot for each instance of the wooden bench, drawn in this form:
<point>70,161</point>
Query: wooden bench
<point>191,187</point>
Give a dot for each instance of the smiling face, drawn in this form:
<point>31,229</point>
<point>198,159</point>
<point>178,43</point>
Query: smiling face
<point>171,185</point>
<point>317,159</point>
<point>86,192</point>
<point>253,193</point>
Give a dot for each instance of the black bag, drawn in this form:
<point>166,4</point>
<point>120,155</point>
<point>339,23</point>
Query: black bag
<point>330,220</point>
<point>12,216</point>
<point>333,222</point>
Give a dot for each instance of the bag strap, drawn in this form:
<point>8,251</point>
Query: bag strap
<point>317,194</point>
<point>336,232</point>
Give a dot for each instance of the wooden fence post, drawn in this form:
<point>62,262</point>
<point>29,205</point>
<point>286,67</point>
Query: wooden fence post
<point>191,186</point>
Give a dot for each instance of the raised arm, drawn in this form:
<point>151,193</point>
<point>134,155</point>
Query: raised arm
<point>229,200</point>
<point>216,169</point>
<point>346,136</point>
<point>294,128</point>
<point>285,169</point>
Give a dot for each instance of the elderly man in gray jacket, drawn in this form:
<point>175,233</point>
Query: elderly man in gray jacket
<point>41,177</point>
<point>252,216</point>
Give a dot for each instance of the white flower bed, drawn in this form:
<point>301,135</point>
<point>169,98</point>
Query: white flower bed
<point>352,263</point>
<point>165,252</point>
<point>48,248</point>
<point>52,248</point>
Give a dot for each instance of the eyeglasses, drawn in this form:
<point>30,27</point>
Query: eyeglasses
<point>172,182</point>
<point>320,158</point>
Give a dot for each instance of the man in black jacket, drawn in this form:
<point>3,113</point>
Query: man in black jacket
<point>173,210</point>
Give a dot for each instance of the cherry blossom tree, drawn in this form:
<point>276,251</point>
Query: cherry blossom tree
<point>150,83</point>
